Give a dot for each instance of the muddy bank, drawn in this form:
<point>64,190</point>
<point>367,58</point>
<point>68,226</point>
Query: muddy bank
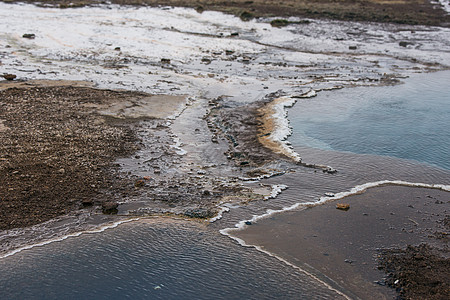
<point>57,153</point>
<point>403,12</point>
<point>344,247</point>
<point>417,272</point>
<point>61,141</point>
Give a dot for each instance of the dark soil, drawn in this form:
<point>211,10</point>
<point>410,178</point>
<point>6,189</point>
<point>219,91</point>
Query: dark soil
<point>404,12</point>
<point>417,272</point>
<point>240,125</point>
<point>56,154</point>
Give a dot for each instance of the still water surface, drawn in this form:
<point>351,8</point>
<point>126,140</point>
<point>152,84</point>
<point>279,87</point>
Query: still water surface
<point>409,121</point>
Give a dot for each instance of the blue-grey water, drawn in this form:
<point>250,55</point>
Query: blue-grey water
<point>409,121</point>
<point>183,260</point>
<point>165,259</point>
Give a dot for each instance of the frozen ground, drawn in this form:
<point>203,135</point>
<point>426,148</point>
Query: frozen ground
<point>179,51</point>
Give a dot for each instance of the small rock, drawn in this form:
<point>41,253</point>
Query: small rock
<point>248,223</point>
<point>206,60</point>
<point>349,261</point>
<point>403,44</point>
<point>279,23</point>
<point>343,206</point>
<point>87,202</point>
<point>9,76</point>
<point>117,48</point>
<point>352,47</point>
<point>165,61</point>
<point>29,36</point>
<point>110,208</point>
<point>246,16</point>
<point>139,183</point>
<point>234,34</point>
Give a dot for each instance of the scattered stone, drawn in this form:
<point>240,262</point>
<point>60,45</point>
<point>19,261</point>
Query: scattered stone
<point>87,202</point>
<point>199,213</point>
<point>139,183</point>
<point>206,60</point>
<point>403,44</point>
<point>330,170</point>
<point>110,208</point>
<point>343,206</point>
<point>329,194</point>
<point>229,52</point>
<point>279,23</point>
<point>246,16</point>
<point>349,261</point>
<point>165,61</point>
<point>117,48</point>
<point>29,36</point>
<point>234,34</point>
<point>352,47</point>
<point>9,76</point>
<point>200,9</point>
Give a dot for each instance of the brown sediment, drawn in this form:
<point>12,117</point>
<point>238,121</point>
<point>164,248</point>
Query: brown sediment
<point>56,153</point>
<point>343,247</point>
<point>269,126</point>
<point>417,272</point>
<point>240,126</point>
<point>421,12</point>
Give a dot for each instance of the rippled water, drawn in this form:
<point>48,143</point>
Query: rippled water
<point>406,121</point>
<point>165,259</point>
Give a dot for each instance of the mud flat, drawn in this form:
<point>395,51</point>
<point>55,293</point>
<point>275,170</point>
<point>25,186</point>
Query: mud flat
<point>347,248</point>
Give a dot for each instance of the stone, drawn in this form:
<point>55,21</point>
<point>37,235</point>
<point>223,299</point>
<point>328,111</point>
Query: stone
<point>29,36</point>
<point>343,206</point>
<point>87,202</point>
<point>110,208</point>
<point>9,76</point>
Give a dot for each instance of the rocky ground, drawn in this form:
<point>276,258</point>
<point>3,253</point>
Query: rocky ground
<point>60,145</point>
<point>56,154</point>
<point>417,272</point>
<point>402,12</point>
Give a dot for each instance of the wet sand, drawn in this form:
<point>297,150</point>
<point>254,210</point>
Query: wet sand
<point>342,247</point>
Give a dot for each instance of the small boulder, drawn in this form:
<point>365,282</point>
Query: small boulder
<point>110,208</point>
<point>29,36</point>
<point>9,76</point>
<point>87,202</point>
<point>343,206</point>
